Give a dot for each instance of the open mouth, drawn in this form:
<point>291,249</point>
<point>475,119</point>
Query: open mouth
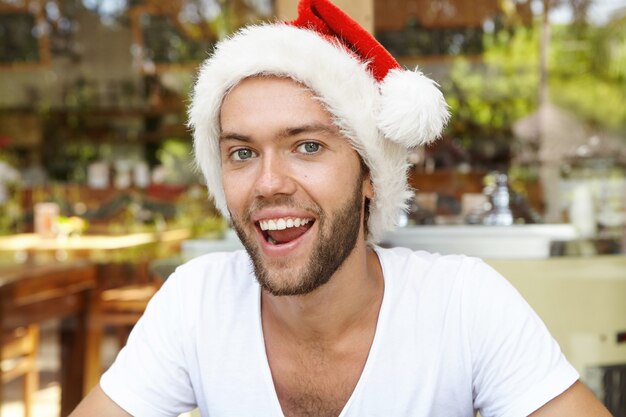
<point>285,229</point>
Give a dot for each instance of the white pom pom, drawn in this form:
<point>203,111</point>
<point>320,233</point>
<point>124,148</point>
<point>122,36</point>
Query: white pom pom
<point>412,110</point>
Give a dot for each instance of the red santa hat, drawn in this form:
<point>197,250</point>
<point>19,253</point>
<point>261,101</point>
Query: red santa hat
<point>381,108</point>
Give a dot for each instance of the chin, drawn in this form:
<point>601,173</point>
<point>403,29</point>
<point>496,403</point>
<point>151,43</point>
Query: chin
<point>287,280</point>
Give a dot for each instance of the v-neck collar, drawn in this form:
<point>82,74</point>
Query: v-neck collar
<point>261,353</point>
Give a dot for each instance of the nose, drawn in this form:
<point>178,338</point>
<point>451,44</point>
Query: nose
<point>274,177</point>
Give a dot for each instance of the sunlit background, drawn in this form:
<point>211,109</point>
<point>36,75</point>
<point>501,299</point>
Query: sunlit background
<point>94,145</point>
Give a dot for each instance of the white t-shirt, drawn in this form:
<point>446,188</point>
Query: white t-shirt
<point>452,337</point>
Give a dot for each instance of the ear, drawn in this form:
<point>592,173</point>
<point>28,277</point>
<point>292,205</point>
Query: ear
<point>368,187</point>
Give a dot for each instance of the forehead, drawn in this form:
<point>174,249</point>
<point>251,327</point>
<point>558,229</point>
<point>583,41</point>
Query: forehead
<point>268,83</point>
<point>263,98</point>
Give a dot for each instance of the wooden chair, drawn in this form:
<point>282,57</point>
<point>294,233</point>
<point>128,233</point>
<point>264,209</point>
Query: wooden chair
<point>36,292</point>
<point>117,308</point>
<point>122,307</point>
<point>19,359</point>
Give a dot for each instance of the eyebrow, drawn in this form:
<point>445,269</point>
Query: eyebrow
<point>307,128</point>
<point>285,133</point>
<point>234,136</point>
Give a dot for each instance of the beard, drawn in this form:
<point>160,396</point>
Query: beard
<point>337,236</point>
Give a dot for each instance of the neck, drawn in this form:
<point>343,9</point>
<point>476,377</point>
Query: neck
<point>348,301</point>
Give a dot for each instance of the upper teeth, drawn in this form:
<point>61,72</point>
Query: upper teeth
<point>282,223</point>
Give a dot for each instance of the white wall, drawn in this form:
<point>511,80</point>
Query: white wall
<point>581,300</point>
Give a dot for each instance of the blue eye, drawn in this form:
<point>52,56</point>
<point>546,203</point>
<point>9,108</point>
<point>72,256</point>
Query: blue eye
<point>309,147</point>
<point>242,154</point>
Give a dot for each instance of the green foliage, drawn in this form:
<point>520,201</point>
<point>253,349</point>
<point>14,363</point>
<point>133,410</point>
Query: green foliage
<point>571,52</point>
<point>487,98</point>
<point>586,75</point>
<point>610,43</point>
<point>175,155</point>
<point>224,23</point>
<point>597,100</point>
<point>588,72</point>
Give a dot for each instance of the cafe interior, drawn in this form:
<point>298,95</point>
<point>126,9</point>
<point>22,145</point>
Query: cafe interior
<point>100,200</point>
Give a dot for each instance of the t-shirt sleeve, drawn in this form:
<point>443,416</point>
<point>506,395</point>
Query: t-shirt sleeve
<point>517,365</point>
<point>149,376</point>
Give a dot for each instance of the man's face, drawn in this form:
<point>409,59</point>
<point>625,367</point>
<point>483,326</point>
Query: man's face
<point>294,186</point>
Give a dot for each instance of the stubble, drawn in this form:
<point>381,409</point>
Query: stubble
<point>337,237</point>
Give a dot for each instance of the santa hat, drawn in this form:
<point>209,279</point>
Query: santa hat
<point>381,108</point>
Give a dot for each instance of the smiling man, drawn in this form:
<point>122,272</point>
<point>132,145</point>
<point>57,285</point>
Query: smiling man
<point>300,185</point>
<point>301,131</point>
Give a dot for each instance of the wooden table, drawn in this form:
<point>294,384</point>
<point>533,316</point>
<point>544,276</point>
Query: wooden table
<point>43,288</point>
<point>89,243</point>
<point>35,292</point>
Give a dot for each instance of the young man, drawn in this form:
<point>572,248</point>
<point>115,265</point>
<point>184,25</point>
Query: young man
<point>302,136</point>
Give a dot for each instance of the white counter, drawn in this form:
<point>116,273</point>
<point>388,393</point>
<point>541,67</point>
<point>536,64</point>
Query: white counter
<point>192,248</point>
<point>490,242</point>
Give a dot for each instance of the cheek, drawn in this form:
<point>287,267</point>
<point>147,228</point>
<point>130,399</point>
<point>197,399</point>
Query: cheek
<point>327,180</point>
<point>234,184</point>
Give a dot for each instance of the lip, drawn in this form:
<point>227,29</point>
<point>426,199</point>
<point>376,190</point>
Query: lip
<point>285,249</point>
<point>275,213</point>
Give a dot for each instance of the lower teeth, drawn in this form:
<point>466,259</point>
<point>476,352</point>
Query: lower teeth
<point>272,241</point>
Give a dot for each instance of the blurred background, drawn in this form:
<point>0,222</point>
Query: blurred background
<point>100,200</point>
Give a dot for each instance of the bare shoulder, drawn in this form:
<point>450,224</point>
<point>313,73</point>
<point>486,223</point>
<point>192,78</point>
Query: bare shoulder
<point>576,401</point>
<point>97,403</point>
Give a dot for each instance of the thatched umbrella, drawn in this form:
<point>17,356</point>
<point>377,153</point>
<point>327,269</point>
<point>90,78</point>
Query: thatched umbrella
<point>553,135</point>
